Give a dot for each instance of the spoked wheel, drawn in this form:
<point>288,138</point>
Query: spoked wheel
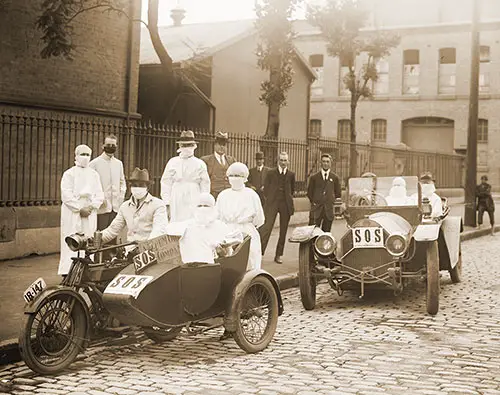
<point>432,295</point>
<point>257,312</point>
<point>162,335</point>
<point>456,272</point>
<point>307,282</point>
<point>54,334</point>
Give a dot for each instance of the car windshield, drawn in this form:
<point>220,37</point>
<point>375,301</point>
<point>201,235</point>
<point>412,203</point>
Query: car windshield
<point>383,191</point>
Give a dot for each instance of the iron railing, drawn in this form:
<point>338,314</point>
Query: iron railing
<point>36,150</point>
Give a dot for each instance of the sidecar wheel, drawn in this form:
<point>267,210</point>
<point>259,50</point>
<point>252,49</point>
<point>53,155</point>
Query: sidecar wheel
<point>257,312</point>
<point>53,336</point>
<point>162,335</point>
<point>307,283</point>
<point>456,272</point>
<point>432,295</point>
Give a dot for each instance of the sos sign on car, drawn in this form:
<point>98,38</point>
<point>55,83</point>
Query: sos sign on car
<point>368,237</point>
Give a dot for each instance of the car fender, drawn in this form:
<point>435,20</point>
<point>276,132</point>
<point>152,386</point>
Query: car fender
<point>451,227</point>
<point>231,317</point>
<point>427,232</point>
<point>304,234</point>
<point>31,308</point>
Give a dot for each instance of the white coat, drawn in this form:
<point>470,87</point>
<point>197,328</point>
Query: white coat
<point>181,184</point>
<point>113,183</point>
<point>242,211</point>
<point>80,187</point>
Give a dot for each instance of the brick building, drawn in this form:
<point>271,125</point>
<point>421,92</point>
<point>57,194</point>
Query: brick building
<point>421,98</point>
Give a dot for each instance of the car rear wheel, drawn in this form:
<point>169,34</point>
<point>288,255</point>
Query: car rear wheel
<point>456,272</point>
<point>307,282</point>
<point>432,295</point>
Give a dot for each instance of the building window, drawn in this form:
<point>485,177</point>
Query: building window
<point>411,72</point>
<point>316,62</point>
<point>344,71</point>
<point>482,131</point>
<point>381,86</point>
<point>315,128</point>
<point>484,69</point>
<point>344,130</point>
<point>447,70</point>
<point>379,131</point>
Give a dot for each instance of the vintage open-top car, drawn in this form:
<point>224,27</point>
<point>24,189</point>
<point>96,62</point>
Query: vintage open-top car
<point>388,242</point>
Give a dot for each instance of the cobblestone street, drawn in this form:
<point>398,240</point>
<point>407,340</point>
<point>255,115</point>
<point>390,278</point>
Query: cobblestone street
<point>380,344</point>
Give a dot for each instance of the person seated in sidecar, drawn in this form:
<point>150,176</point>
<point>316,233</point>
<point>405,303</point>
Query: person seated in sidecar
<point>144,215</point>
<point>429,192</point>
<point>203,237</point>
<point>397,194</point>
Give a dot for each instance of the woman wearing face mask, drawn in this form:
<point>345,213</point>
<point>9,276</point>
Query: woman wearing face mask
<point>241,209</point>
<point>81,195</point>
<point>184,178</point>
<point>397,194</point>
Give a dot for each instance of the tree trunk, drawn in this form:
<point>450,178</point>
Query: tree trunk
<point>161,51</point>
<point>353,154</point>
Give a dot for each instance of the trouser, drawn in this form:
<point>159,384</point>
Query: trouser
<point>319,219</point>
<point>480,214</point>
<point>279,207</point>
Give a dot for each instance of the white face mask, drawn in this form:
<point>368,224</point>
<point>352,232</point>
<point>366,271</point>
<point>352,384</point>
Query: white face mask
<point>236,183</point>
<point>204,215</point>
<point>186,152</point>
<point>82,161</point>
<point>138,192</point>
<point>398,191</point>
<point>428,189</point>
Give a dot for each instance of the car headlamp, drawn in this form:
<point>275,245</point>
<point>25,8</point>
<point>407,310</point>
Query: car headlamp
<point>76,242</point>
<point>426,207</point>
<point>325,244</point>
<point>396,244</point>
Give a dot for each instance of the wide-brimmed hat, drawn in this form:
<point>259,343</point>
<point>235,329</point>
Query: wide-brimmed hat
<point>221,137</point>
<point>259,155</point>
<point>426,177</point>
<point>186,137</point>
<point>140,175</point>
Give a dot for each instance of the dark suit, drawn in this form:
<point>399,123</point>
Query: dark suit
<point>322,195</point>
<point>256,180</point>
<point>278,191</point>
<point>217,173</point>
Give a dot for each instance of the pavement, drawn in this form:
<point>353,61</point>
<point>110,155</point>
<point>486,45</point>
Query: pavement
<point>17,275</point>
<point>381,344</point>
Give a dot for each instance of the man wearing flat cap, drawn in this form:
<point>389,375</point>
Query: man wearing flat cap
<point>485,203</point>
<point>144,215</point>
<point>218,163</point>
<point>257,176</point>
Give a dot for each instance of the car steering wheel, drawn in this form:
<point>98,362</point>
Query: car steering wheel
<point>374,199</point>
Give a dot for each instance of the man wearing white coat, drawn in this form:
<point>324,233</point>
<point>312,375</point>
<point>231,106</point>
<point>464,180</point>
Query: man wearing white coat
<point>81,195</point>
<point>241,209</point>
<point>184,178</point>
<point>113,183</point>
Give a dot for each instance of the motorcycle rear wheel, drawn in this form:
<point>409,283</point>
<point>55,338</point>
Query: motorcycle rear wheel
<point>53,336</point>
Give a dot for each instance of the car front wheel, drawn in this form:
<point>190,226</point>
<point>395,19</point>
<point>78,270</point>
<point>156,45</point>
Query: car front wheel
<point>432,294</point>
<point>307,282</point>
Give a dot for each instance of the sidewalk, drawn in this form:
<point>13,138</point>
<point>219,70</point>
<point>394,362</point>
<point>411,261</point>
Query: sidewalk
<point>17,275</point>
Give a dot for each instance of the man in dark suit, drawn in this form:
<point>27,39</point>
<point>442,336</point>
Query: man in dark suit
<point>323,189</point>
<point>257,176</point>
<point>218,163</point>
<point>279,187</point>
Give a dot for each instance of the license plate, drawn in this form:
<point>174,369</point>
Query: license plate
<point>144,260</point>
<point>368,237</point>
<point>125,284</point>
<point>34,290</point>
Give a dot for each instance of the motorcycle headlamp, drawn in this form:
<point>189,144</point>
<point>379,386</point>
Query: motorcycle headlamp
<point>325,244</point>
<point>396,244</point>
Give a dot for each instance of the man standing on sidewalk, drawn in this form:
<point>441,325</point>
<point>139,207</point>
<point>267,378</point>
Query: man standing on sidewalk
<point>218,163</point>
<point>110,170</point>
<point>485,203</point>
<point>279,187</point>
<point>323,189</point>
<point>257,176</point>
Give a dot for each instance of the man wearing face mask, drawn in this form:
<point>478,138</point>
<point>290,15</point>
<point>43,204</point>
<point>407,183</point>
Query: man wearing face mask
<point>81,196</point>
<point>240,208</point>
<point>429,192</point>
<point>218,163</point>
<point>397,194</point>
<point>144,215</point>
<point>113,183</point>
<point>184,178</point>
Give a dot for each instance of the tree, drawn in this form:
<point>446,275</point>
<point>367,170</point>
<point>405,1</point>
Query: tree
<point>275,54</point>
<point>341,23</point>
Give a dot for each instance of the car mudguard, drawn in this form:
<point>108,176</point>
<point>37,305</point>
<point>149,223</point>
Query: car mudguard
<point>451,227</point>
<point>231,317</point>
<point>427,232</point>
<point>304,234</point>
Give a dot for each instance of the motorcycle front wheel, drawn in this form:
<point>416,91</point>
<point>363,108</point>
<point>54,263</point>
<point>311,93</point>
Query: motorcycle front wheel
<point>53,336</point>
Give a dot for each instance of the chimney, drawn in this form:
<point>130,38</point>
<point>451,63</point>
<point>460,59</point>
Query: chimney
<point>177,14</point>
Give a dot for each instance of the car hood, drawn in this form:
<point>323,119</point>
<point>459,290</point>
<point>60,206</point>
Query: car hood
<point>392,223</point>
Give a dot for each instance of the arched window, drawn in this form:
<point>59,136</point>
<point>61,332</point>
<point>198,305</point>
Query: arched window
<point>379,130</point>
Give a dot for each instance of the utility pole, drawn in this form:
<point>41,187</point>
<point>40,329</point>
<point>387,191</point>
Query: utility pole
<point>471,160</point>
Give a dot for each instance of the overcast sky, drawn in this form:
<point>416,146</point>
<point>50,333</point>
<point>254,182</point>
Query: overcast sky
<point>208,10</point>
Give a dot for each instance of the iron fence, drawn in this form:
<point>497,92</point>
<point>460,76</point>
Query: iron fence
<point>36,150</point>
